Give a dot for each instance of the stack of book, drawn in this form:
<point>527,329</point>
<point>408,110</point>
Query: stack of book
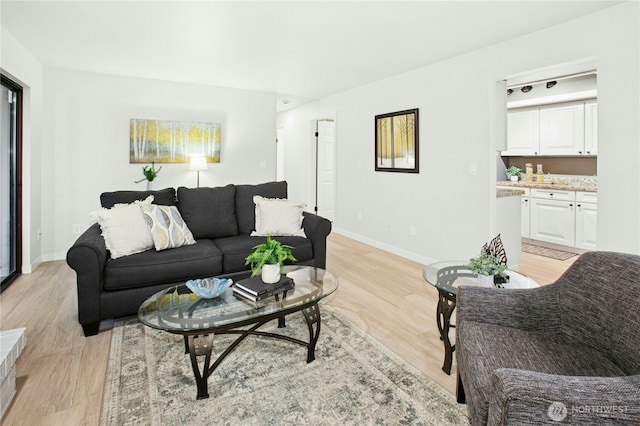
<point>256,290</point>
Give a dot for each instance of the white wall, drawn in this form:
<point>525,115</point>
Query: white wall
<point>455,213</point>
<point>22,67</point>
<point>86,141</point>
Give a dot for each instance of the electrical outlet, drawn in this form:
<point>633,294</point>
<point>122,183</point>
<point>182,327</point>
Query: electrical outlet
<point>359,215</point>
<point>473,169</point>
<point>412,230</point>
<point>76,229</point>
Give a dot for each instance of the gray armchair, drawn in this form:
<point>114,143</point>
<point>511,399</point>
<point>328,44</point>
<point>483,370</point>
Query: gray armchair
<point>567,351</point>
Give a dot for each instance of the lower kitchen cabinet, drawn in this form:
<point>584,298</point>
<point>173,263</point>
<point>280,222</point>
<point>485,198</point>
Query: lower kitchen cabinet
<point>586,221</point>
<point>552,221</point>
<point>525,216</point>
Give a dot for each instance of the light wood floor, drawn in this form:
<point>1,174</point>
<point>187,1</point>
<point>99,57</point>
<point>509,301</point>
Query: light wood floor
<point>60,374</point>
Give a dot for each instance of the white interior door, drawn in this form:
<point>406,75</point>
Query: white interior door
<point>326,169</point>
<point>280,154</point>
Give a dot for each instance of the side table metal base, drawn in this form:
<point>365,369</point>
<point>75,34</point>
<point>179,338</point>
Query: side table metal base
<point>444,310</point>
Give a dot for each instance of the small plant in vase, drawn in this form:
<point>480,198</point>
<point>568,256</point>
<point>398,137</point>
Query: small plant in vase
<point>514,173</point>
<point>268,258</point>
<point>487,266</point>
<point>150,173</point>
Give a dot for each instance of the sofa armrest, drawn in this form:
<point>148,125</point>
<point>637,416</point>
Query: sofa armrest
<point>520,397</point>
<point>88,256</point>
<point>535,309</point>
<point>317,229</point>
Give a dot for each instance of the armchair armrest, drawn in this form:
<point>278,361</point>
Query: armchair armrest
<point>317,229</point>
<point>525,397</point>
<point>88,256</point>
<point>535,309</point>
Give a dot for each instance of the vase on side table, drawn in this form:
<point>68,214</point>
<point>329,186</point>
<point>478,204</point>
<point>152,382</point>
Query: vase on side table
<point>485,280</point>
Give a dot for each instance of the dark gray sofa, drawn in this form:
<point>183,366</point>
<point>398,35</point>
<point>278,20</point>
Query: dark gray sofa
<point>220,219</point>
<point>565,353</point>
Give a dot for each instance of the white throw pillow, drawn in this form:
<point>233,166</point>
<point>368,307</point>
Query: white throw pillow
<point>124,228</point>
<point>278,217</point>
<point>168,229</point>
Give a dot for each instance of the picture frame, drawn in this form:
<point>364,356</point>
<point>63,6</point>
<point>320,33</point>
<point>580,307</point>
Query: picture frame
<point>396,142</point>
<point>173,141</point>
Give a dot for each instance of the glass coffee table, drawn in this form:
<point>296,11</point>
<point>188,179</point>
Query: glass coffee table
<point>446,277</point>
<point>179,311</point>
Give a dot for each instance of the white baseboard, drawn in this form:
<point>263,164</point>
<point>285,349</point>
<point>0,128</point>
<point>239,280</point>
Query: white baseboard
<point>386,247</point>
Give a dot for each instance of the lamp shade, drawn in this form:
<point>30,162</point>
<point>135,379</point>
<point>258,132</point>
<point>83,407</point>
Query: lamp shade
<point>198,163</point>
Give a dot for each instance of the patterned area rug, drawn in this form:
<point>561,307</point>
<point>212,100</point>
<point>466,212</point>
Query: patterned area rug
<point>547,252</point>
<point>353,381</point>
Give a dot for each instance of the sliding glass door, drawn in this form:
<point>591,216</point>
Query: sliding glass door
<point>10,122</point>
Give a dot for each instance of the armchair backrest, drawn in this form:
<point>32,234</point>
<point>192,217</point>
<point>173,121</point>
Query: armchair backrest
<point>600,305</point>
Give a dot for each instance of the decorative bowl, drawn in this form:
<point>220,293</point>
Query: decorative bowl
<point>208,288</point>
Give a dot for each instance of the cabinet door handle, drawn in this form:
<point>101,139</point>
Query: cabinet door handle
<point>570,204</point>
<point>579,205</point>
<point>588,152</point>
<point>580,152</point>
<point>551,194</point>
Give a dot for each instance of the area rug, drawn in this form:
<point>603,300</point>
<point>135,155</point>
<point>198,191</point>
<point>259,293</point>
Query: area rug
<point>353,381</point>
<point>547,252</point>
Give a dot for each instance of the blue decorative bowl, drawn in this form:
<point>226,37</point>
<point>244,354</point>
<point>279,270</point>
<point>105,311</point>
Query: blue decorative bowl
<point>208,288</point>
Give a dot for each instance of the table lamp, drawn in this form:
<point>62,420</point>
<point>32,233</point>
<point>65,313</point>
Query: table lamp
<point>197,164</point>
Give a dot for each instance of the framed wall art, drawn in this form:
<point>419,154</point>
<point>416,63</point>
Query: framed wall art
<point>397,141</point>
<point>166,141</point>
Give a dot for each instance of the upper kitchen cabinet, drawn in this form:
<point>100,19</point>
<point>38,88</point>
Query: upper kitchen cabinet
<point>591,127</point>
<point>523,131</point>
<point>562,129</point>
<point>565,129</point>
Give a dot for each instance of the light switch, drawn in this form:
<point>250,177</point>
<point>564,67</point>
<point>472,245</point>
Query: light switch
<point>473,169</point>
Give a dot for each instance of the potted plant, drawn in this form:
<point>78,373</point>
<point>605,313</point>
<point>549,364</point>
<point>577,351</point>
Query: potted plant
<point>269,257</point>
<point>514,173</point>
<point>150,173</point>
<point>487,266</point>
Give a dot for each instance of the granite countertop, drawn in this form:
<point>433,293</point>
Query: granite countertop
<point>502,192</point>
<point>586,185</point>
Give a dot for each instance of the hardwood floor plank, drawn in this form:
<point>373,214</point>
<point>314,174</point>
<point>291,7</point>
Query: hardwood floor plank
<point>60,373</point>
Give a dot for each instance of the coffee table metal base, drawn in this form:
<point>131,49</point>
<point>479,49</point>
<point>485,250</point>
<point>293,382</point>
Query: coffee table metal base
<point>444,310</point>
<point>201,345</point>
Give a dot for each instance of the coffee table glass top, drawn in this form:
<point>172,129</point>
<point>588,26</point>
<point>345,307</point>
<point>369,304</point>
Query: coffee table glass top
<point>449,275</point>
<point>177,309</point>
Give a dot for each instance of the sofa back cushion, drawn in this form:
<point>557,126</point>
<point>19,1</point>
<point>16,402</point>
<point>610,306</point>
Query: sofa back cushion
<point>246,208</point>
<point>209,212</point>
<point>163,197</point>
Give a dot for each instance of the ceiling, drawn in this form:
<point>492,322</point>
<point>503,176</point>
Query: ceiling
<point>301,50</point>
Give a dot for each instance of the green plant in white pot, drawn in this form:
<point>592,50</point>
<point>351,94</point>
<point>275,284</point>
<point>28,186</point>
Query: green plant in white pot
<point>487,266</point>
<point>268,258</point>
<point>513,173</point>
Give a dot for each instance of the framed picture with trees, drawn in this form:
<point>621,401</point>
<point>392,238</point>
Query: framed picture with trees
<point>169,141</point>
<point>397,141</point>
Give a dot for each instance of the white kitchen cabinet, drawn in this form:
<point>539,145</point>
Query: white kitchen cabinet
<point>591,127</point>
<point>553,217</point>
<point>566,129</point>
<point>562,129</point>
<point>523,131</point>
<point>525,216</point>
<point>586,220</point>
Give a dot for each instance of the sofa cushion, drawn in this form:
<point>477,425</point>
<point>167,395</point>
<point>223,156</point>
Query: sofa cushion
<point>276,216</point>
<point>124,228</point>
<point>209,212</point>
<point>199,260</point>
<point>168,229</point>
<point>165,197</point>
<point>246,208</point>
<point>488,347</point>
<point>236,249</point>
